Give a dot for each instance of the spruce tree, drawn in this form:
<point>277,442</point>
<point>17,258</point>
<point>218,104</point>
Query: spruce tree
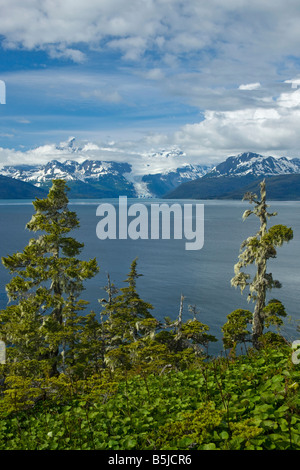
<point>48,279</point>
<point>129,325</point>
<point>127,312</point>
<point>258,249</point>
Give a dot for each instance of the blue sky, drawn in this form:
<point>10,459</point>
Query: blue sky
<point>211,78</point>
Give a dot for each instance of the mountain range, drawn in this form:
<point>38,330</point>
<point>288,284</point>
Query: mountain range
<point>235,176</point>
<point>94,178</point>
<point>88,176</point>
<point>102,179</point>
<point>252,163</point>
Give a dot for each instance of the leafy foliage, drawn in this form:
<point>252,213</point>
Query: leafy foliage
<point>121,379</point>
<point>249,403</point>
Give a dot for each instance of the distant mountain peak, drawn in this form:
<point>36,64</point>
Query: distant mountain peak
<point>249,155</point>
<point>69,146</point>
<point>167,153</point>
<point>249,163</point>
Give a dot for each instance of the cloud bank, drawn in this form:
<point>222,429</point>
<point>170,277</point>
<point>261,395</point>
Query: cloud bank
<point>212,78</point>
<point>273,129</point>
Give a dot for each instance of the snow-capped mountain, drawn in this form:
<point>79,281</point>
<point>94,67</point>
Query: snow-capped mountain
<point>69,146</point>
<point>69,170</point>
<point>86,179</point>
<point>161,183</point>
<point>93,178</point>
<point>105,171</point>
<point>237,175</point>
<point>256,165</point>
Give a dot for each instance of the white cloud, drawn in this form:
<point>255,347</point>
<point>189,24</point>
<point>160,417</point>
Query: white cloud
<point>195,51</point>
<point>250,86</point>
<point>67,53</point>
<point>294,82</point>
<point>153,74</point>
<point>273,129</point>
<point>289,100</point>
<point>132,47</point>
<point>23,121</point>
<point>198,54</point>
<point>101,95</point>
<point>237,29</point>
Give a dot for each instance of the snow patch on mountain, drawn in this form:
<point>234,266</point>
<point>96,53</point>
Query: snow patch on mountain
<point>69,170</point>
<point>255,164</point>
<point>141,187</point>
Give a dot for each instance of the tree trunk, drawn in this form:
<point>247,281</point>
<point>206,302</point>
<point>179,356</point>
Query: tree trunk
<point>257,323</point>
<point>258,315</point>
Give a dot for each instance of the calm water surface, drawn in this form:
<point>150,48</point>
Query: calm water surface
<point>169,270</point>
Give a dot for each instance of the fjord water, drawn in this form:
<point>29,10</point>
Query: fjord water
<point>168,269</point>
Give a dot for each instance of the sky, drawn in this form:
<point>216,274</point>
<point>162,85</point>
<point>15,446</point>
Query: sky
<point>129,78</point>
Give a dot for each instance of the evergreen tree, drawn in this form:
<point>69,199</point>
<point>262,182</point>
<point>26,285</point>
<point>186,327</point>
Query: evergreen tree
<point>48,279</point>
<point>257,250</point>
<point>186,340</point>
<point>83,354</point>
<point>129,325</point>
<point>236,328</point>
<point>127,312</point>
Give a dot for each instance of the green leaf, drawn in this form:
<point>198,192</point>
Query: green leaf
<point>210,446</point>
<point>224,435</point>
